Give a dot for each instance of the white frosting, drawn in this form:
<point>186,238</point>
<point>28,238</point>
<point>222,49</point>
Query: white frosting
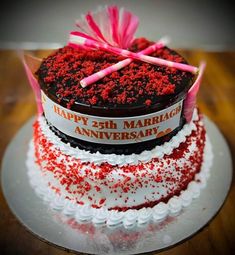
<point>100,216</point>
<point>120,160</point>
<point>130,218</point>
<point>114,218</point>
<point>186,198</point>
<point>194,187</point>
<point>58,203</point>
<point>84,213</point>
<point>175,206</point>
<point>160,211</point>
<point>150,191</point>
<point>144,215</point>
<point>70,208</point>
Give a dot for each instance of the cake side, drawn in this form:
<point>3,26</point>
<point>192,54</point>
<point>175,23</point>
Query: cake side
<point>122,186</point>
<point>130,218</point>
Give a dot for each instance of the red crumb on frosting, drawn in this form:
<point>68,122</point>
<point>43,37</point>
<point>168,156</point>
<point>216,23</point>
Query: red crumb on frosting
<point>148,102</point>
<point>138,83</point>
<point>66,170</point>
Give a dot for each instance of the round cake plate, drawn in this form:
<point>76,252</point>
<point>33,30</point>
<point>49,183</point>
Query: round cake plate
<point>65,232</point>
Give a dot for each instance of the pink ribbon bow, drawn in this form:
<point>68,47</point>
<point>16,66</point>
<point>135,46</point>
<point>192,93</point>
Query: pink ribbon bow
<point>112,29</point>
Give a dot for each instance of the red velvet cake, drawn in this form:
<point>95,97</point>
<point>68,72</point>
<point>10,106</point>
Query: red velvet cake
<point>138,89</point>
<point>122,149</point>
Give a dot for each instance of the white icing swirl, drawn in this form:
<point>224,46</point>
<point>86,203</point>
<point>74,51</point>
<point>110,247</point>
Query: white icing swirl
<point>100,216</point>
<point>120,160</point>
<point>201,178</point>
<point>49,195</point>
<point>84,213</point>
<point>58,203</point>
<point>70,208</point>
<point>130,218</point>
<point>114,218</point>
<point>144,215</point>
<point>175,206</point>
<point>194,187</point>
<point>186,198</point>
<point>41,190</point>
<point>160,211</point>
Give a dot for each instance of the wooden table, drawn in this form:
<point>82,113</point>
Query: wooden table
<point>216,99</point>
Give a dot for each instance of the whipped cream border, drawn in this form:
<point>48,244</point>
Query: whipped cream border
<point>120,160</point>
<point>85,213</point>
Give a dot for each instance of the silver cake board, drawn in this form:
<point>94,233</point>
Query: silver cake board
<point>66,233</point>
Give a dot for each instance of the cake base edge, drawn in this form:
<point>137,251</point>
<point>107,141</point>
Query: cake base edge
<point>113,218</point>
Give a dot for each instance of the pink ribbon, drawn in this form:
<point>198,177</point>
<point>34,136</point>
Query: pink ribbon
<point>121,64</point>
<point>190,100</point>
<point>31,64</point>
<point>111,25</point>
<point>113,29</point>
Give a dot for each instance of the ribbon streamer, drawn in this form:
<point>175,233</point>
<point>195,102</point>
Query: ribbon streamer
<point>121,64</point>
<point>76,40</point>
<point>112,29</point>
<point>110,25</point>
<point>31,64</point>
<point>190,100</point>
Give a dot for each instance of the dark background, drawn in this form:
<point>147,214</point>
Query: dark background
<point>191,24</point>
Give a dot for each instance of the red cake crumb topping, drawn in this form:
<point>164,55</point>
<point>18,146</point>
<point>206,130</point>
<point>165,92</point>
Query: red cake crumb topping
<point>137,84</point>
<point>67,171</point>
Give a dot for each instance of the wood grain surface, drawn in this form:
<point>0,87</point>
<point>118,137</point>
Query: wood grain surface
<point>216,99</point>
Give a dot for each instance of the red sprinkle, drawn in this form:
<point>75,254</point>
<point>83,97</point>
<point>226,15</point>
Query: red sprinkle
<point>67,171</point>
<point>138,83</point>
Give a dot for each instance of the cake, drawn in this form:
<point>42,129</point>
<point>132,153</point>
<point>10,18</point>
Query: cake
<point>122,149</point>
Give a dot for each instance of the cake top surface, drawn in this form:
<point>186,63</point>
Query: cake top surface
<point>137,84</point>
